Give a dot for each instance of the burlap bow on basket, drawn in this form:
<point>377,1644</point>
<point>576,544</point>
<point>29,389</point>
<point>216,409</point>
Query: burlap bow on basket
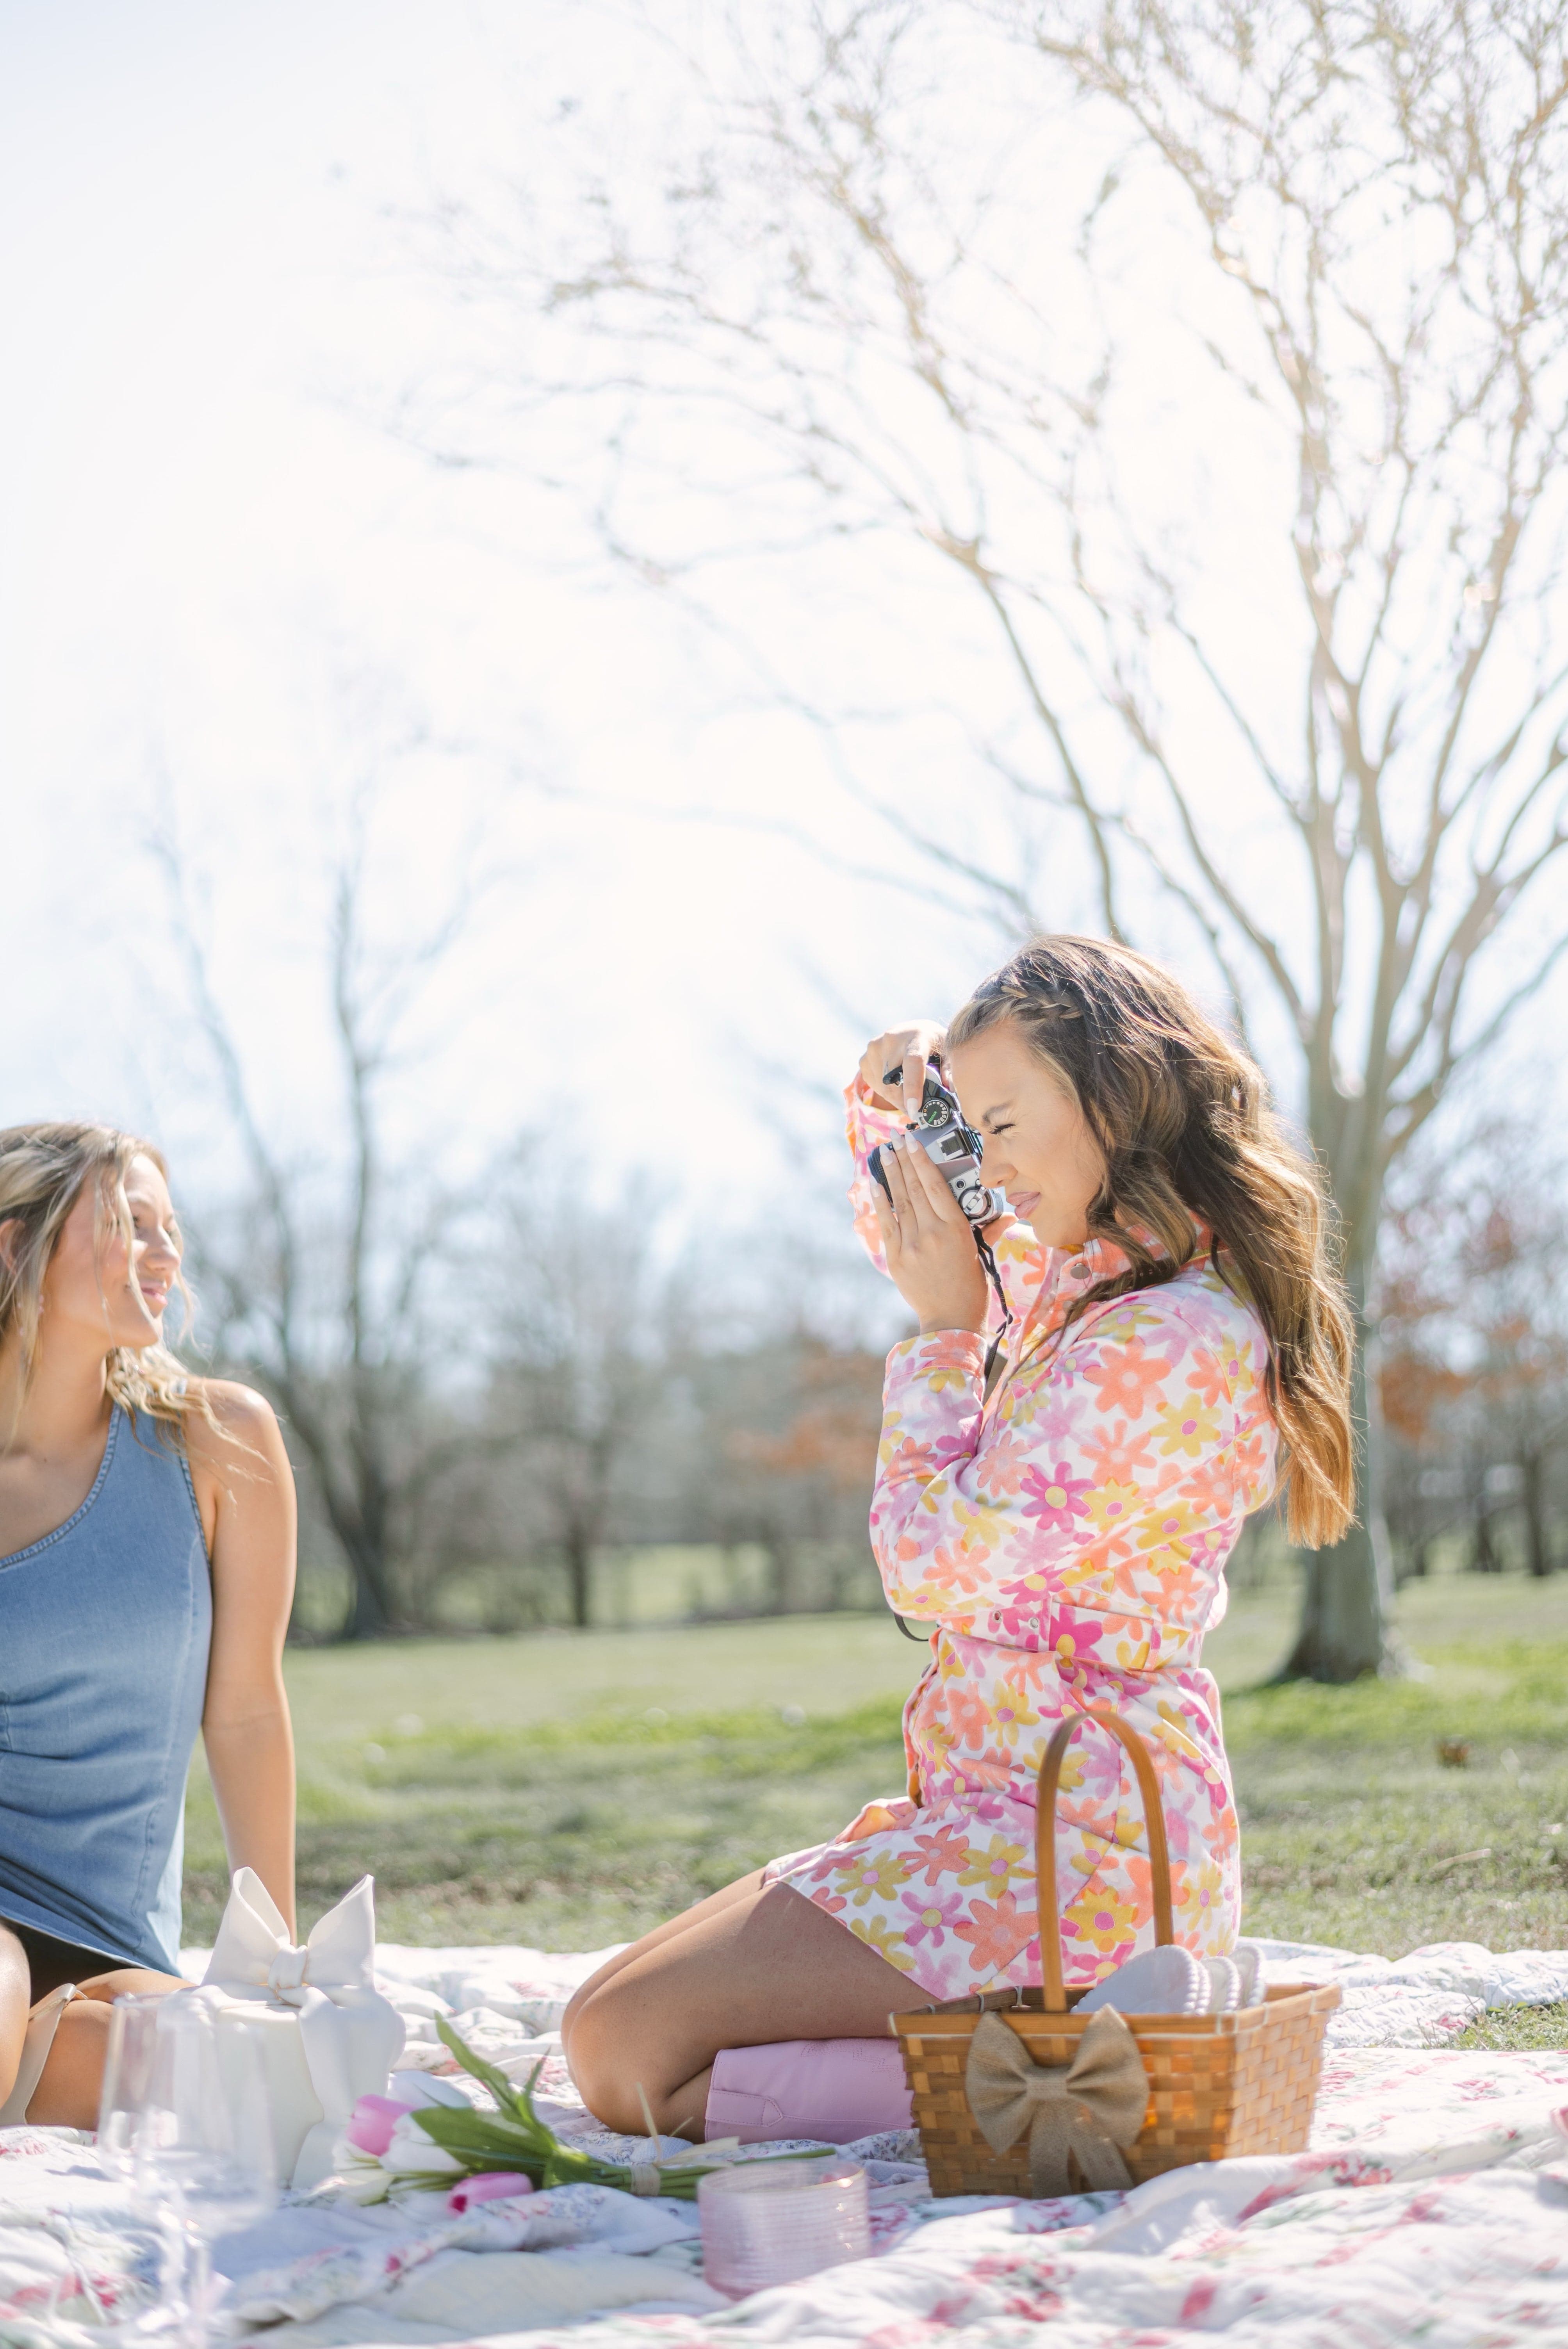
<point>1217,2085</point>
<point>1090,2109</point>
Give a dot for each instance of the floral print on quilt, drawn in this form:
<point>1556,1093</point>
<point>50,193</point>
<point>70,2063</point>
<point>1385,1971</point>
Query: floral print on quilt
<point>1063,1542</point>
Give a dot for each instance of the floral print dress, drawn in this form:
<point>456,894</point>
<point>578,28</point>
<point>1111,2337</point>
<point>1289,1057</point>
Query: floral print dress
<point>1064,1540</point>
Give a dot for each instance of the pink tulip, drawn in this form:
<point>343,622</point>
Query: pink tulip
<point>372,2121</point>
<point>490,2186</point>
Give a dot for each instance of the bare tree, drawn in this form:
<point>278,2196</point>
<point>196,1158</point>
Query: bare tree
<point>1473,1304</point>
<point>1212,356</point>
<point>330,1279</point>
<point>788,1460</point>
<point>579,1363</point>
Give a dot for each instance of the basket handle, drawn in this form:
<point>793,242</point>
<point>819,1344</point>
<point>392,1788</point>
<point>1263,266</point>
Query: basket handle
<point>1045,1843</point>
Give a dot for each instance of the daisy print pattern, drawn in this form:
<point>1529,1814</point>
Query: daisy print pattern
<point>1062,1544</point>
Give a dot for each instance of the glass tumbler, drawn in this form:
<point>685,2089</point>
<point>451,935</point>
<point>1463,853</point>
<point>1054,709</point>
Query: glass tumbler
<point>128,2070</point>
<point>766,2222</point>
<point>185,2117</point>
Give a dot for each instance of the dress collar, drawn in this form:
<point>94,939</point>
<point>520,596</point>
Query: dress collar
<point>1073,1272</point>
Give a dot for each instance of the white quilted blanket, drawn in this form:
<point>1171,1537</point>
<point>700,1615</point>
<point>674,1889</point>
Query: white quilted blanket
<point>501,1999</point>
<point>1432,2208</point>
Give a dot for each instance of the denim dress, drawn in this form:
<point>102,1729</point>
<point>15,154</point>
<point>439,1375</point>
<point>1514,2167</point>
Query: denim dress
<point>105,1630</point>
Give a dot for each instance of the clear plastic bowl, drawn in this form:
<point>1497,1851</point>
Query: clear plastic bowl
<point>766,2222</point>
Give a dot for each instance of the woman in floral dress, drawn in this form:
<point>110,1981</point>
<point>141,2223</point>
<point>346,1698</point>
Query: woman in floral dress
<point>1177,1351</point>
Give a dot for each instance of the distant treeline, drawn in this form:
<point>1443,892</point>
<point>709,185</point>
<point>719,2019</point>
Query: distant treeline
<point>535,1413</point>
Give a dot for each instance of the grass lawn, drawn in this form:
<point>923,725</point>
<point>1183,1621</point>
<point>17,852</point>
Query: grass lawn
<point>570,1790</point>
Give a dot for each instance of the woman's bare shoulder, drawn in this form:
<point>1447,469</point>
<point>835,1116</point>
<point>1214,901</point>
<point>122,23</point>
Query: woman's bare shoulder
<point>239,1428</point>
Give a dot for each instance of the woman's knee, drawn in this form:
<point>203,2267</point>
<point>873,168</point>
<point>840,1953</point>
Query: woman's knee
<point>586,2032</point>
<point>66,2095</point>
<point>573,2008</point>
<point>15,1975</point>
<point>608,2058</point>
<point>687,1922</point>
<point>15,1997</point>
<point>584,1996</point>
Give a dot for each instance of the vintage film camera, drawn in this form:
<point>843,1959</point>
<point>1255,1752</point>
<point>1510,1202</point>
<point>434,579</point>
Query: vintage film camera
<point>953,1147</point>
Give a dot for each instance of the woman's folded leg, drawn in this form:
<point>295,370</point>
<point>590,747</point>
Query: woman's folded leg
<point>16,1998</point>
<point>66,2095</point>
<point>743,1887</point>
<point>757,1964</point>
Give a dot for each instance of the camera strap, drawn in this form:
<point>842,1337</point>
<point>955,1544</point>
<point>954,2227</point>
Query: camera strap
<point>995,1360</point>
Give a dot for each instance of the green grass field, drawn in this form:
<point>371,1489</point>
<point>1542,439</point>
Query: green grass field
<point>570,1790</point>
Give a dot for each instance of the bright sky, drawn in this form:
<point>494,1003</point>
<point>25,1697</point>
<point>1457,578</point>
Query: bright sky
<point>225,589</point>
<point>213,557</point>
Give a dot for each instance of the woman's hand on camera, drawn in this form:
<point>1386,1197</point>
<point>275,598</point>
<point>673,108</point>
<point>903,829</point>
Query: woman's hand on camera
<point>907,1049</point>
<point>928,1244</point>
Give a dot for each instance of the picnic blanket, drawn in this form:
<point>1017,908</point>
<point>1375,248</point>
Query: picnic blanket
<point>1432,2207</point>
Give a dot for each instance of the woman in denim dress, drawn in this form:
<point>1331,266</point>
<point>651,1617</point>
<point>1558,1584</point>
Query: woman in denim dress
<point>147,1557</point>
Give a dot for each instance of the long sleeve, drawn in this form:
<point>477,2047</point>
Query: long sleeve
<point>1105,1482</point>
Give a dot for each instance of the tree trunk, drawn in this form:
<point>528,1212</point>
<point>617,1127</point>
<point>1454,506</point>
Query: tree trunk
<point>360,1522</point>
<point>356,1510</point>
<point>784,1595</point>
<point>370,1616</point>
<point>1531,1468</point>
<point>1485,1558</point>
<point>1347,1590</point>
<point>579,1576</point>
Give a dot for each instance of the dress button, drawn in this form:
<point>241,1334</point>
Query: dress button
<point>1078,1271</point>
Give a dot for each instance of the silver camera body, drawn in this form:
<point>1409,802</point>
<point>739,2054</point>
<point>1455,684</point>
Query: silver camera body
<point>954,1148</point>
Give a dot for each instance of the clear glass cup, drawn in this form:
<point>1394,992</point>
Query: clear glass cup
<point>184,2116</point>
<point>126,2076</point>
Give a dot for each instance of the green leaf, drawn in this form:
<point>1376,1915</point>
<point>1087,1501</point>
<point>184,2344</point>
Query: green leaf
<point>564,2165</point>
<point>488,2076</point>
<point>514,2137</point>
<point>486,2138</point>
<point>422,2181</point>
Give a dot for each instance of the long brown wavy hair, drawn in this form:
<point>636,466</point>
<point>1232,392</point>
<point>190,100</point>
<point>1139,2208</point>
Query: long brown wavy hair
<point>44,1170</point>
<point>1185,1125</point>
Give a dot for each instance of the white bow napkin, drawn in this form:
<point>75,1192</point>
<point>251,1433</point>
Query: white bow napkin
<point>349,2036</point>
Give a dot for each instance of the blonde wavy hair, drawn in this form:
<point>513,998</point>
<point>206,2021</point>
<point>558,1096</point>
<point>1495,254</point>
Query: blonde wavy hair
<point>1184,1123</point>
<point>43,1170</point>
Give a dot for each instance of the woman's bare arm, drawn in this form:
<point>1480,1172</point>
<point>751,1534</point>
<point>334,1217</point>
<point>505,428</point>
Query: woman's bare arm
<point>245,1489</point>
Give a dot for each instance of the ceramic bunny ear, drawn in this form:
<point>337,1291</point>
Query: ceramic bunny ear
<point>1245,1956</point>
<point>1224,1984</point>
<point>1156,1981</point>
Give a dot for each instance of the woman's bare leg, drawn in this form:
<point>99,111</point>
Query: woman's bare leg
<point>15,1997</point>
<point>66,2094</point>
<point>763,1965</point>
<point>709,1905</point>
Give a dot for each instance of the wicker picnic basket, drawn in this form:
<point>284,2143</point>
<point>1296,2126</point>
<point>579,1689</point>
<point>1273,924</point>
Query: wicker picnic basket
<point>1218,2083</point>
